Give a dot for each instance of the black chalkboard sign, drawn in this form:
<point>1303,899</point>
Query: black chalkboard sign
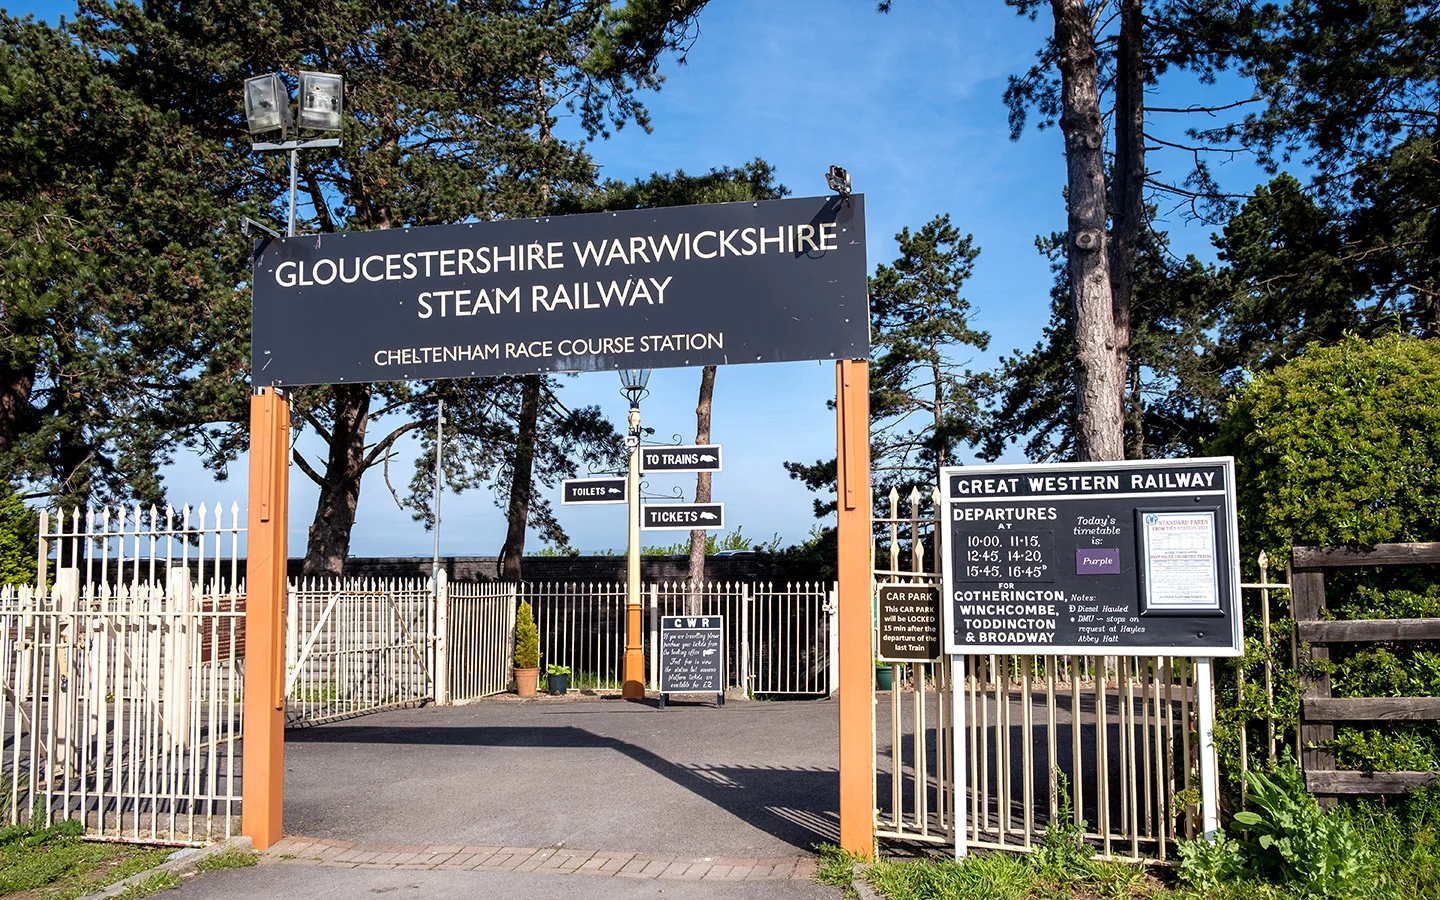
<point>692,656</point>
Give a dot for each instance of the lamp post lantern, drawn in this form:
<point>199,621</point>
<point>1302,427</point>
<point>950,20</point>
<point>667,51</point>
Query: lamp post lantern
<point>267,108</point>
<point>632,385</point>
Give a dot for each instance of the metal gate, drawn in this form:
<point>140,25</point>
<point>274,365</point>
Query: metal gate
<point>358,645</point>
<point>1103,740</point>
<point>478,651</point>
<point>780,638</point>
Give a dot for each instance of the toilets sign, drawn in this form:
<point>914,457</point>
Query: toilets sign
<point>683,286</point>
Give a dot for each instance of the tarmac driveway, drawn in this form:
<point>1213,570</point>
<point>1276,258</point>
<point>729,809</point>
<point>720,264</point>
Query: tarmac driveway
<point>749,779</point>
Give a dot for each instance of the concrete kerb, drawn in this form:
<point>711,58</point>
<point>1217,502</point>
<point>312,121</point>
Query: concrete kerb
<point>860,885</point>
<point>182,862</point>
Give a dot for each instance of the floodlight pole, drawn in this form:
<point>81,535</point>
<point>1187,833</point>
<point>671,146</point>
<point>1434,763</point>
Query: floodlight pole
<point>294,148</point>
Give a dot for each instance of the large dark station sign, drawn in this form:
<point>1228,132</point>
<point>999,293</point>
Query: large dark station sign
<point>907,622</point>
<point>684,286</point>
<point>689,516</point>
<point>691,458</point>
<point>586,491</point>
<point>1124,558</point>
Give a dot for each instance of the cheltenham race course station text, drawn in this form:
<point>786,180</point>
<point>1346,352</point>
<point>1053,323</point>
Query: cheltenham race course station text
<point>684,286</point>
<point>1130,558</point>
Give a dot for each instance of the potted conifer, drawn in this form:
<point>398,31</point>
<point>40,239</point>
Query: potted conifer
<point>527,651</point>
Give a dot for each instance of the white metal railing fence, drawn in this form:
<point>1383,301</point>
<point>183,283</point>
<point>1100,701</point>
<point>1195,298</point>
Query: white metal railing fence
<point>128,545</point>
<point>730,599</point>
<point>1273,602</point>
<point>1104,740</point>
<point>582,625</point>
<point>123,683</point>
<point>358,645</point>
<point>914,782</point>
<point>780,639</point>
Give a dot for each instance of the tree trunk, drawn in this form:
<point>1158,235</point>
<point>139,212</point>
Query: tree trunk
<point>702,491</point>
<point>1100,430</point>
<point>16,383</point>
<point>329,542</point>
<point>942,455</point>
<point>1129,187</point>
<point>1135,417</point>
<point>521,480</point>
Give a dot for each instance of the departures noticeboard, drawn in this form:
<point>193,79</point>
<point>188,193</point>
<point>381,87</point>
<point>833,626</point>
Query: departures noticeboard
<point>1126,558</point>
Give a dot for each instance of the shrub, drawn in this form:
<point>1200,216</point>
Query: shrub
<point>527,638</point>
<point>1339,446</point>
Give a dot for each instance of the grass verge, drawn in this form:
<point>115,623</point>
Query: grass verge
<point>1283,848</point>
<point>54,863</point>
<point>229,858</point>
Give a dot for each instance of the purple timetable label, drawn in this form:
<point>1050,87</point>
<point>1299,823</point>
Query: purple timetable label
<point>1099,561</point>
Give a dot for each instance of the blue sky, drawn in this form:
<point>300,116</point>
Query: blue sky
<point>910,103</point>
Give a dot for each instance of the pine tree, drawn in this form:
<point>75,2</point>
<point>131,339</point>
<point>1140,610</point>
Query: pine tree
<point>446,108</point>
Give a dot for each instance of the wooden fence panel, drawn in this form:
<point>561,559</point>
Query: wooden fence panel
<point>1319,710</point>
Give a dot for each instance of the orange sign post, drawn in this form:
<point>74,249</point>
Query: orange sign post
<point>857,690</point>
<point>263,759</point>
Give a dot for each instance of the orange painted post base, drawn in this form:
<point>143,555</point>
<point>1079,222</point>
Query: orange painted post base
<point>857,698</point>
<point>263,754</point>
<point>633,687</point>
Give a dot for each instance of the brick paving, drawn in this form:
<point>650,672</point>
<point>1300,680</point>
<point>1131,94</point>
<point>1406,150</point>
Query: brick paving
<point>552,860</point>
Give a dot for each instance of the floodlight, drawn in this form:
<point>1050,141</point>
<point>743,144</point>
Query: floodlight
<point>321,100</point>
<point>839,181</point>
<point>267,103</point>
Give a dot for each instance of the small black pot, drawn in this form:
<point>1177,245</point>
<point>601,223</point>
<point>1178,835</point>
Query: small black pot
<point>559,684</point>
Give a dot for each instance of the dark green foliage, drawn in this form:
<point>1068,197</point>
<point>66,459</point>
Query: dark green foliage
<point>1283,838</point>
<point>1207,865</point>
<point>53,861</point>
<point>1398,748</point>
<point>1340,446</point>
<point>118,290</point>
<point>29,834</point>
<point>1288,840</point>
<point>1342,82</point>
<point>1248,705</point>
<point>130,156</point>
<point>923,403</point>
<point>1403,834</point>
<point>19,532</point>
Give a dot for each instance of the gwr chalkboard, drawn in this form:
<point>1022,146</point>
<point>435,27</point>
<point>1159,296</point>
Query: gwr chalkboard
<point>692,655</point>
<point>1126,558</point>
